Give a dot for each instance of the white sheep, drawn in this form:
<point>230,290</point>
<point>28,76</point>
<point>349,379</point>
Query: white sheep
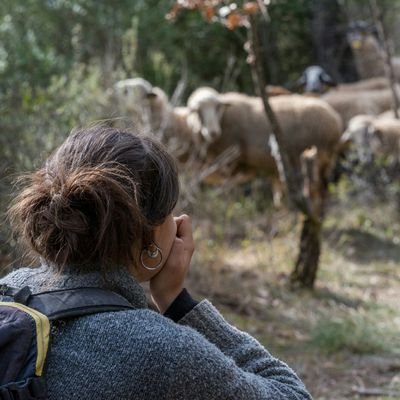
<point>350,104</point>
<point>223,120</point>
<point>149,108</point>
<point>372,136</point>
<point>131,99</point>
<point>376,83</point>
<point>170,124</point>
<point>387,132</point>
<point>389,114</point>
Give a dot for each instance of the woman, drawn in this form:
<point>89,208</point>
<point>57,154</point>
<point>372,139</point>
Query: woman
<point>99,214</point>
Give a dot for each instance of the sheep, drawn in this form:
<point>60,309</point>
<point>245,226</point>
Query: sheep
<point>133,88</point>
<point>275,90</point>
<point>159,110</point>
<point>373,136</point>
<point>151,110</point>
<point>170,124</point>
<point>387,132</point>
<point>233,118</point>
<point>368,54</point>
<point>315,79</point>
<point>177,134</point>
<point>376,83</point>
<point>205,113</point>
<point>357,135</point>
<point>130,96</point>
<point>388,114</point>
<point>350,104</point>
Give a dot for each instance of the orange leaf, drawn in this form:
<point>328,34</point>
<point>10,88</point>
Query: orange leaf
<point>208,12</point>
<point>171,16</point>
<point>233,20</point>
<point>250,7</point>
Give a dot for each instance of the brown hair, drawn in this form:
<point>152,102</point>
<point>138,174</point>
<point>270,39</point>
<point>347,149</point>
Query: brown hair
<point>97,199</point>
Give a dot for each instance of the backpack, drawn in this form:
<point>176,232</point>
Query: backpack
<point>25,326</point>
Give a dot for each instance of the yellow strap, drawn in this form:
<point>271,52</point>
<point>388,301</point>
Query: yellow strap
<point>42,332</point>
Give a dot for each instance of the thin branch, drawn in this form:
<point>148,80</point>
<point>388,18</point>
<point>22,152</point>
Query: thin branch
<point>377,16</point>
<point>264,10</point>
<point>231,154</point>
<point>294,180</point>
<point>181,85</point>
<point>375,392</point>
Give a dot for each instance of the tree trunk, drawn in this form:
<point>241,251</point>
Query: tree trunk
<point>271,57</point>
<point>303,186</point>
<point>293,177</point>
<point>306,266</point>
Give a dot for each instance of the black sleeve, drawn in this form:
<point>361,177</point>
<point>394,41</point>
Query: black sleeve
<point>180,306</point>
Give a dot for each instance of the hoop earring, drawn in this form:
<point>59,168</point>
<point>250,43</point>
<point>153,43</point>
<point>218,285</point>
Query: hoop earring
<point>152,252</point>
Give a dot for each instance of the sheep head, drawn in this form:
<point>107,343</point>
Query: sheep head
<point>359,134</point>
<point>206,110</point>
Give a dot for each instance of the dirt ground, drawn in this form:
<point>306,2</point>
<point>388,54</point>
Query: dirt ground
<point>343,338</point>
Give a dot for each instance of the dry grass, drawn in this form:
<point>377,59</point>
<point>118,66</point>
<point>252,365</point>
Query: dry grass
<point>342,337</point>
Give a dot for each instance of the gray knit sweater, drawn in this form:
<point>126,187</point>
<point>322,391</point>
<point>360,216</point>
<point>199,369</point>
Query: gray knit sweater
<point>140,354</point>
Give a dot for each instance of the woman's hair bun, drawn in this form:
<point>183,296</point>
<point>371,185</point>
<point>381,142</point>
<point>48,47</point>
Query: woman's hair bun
<point>97,199</point>
<point>77,219</point>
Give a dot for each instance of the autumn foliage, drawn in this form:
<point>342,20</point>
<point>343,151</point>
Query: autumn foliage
<point>230,14</point>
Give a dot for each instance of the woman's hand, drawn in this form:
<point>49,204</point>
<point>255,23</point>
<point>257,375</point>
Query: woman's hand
<point>169,282</point>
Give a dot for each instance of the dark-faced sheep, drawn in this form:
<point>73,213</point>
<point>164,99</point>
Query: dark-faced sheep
<point>223,120</point>
<point>315,79</point>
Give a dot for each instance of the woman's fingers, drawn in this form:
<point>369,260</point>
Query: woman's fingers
<point>184,231</point>
<point>184,226</point>
<point>168,283</point>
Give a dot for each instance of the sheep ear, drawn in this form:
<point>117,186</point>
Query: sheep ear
<point>300,82</point>
<point>194,122</point>
<point>327,79</point>
<point>151,95</point>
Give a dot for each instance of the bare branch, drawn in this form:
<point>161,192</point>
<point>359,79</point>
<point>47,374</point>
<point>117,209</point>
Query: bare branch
<point>375,392</point>
<point>377,15</point>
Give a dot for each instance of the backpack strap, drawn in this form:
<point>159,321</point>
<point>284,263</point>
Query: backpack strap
<point>67,303</point>
<point>26,332</point>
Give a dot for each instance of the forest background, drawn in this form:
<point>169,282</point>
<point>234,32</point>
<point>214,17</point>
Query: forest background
<point>58,62</point>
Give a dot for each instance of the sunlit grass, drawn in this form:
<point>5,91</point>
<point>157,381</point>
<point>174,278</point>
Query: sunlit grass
<point>359,332</point>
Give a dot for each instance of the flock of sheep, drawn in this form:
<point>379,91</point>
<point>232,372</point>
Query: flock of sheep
<point>212,122</point>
